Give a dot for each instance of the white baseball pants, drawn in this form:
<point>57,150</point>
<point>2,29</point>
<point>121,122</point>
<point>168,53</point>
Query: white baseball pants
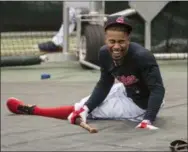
<point>116,106</point>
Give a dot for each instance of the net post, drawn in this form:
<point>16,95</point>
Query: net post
<point>65,29</point>
<point>78,33</point>
<point>148,35</point>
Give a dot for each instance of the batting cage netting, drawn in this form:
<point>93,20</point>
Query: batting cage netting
<point>25,25</point>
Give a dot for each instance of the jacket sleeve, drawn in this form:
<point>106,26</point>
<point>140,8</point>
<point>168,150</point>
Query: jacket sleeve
<point>102,87</point>
<point>151,75</point>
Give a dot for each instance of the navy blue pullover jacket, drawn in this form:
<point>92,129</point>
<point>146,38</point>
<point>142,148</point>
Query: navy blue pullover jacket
<point>139,73</point>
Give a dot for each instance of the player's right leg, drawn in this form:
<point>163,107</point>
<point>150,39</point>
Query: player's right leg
<point>18,107</point>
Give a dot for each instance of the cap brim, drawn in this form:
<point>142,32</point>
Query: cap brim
<point>126,25</point>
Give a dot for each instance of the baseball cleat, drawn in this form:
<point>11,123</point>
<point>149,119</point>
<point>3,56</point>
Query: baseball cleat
<point>49,47</point>
<point>18,107</point>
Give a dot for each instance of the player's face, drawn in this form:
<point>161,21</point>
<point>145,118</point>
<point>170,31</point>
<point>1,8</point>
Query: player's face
<point>117,43</point>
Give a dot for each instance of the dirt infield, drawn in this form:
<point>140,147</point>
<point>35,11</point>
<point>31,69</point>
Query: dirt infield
<point>68,84</point>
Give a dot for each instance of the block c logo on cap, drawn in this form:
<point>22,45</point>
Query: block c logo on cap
<point>120,19</point>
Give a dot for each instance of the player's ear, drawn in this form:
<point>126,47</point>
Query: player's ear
<point>106,39</point>
<point>129,37</point>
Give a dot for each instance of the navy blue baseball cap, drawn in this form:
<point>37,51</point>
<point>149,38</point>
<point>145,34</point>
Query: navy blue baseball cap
<point>117,19</point>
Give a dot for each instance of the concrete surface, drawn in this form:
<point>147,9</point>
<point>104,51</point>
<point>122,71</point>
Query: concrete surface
<point>68,84</point>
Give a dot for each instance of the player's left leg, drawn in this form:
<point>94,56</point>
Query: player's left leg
<point>58,38</point>
<point>18,107</point>
<point>56,44</point>
<point>118,106</point>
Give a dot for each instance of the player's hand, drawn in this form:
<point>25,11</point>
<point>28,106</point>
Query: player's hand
<point>146,124</point>
<point>81,112</point>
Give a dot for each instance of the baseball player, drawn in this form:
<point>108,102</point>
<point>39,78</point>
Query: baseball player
<point>56,44</point>
<point>138,96</point>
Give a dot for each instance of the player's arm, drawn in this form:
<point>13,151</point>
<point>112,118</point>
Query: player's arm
<point>99,93</point>
<point>103,86</point>
<point>151,74</point>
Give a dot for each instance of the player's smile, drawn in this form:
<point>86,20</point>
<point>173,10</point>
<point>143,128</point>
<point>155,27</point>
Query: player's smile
<point>118,43</point>
<point>117,53</point>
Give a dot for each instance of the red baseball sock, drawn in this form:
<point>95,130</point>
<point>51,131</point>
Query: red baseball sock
<point>61,112</point>
<point>55,112</point>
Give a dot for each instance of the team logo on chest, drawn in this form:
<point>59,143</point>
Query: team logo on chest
<point>127,80</point>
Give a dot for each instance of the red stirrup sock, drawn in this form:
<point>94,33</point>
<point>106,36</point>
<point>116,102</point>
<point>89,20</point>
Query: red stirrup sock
<point>18,107</point>
<point>55,112</point>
